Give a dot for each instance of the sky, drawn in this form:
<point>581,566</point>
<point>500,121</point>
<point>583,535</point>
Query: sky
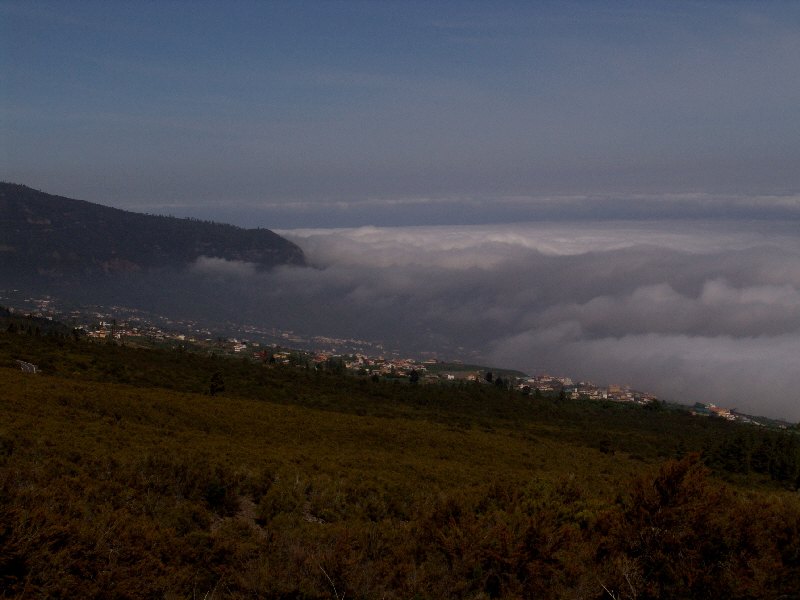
<point>604,190</point>
<point>296,114</point>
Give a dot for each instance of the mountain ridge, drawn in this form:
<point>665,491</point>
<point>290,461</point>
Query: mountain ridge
<point>56,237</point>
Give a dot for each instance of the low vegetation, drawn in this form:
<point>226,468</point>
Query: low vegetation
<point>136,473</point>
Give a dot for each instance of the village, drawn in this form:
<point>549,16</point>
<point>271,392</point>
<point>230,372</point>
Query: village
<point>275,347</point>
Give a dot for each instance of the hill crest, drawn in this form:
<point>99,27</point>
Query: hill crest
<point>54,236</point>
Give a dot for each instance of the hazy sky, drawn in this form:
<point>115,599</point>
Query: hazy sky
<point>288,114</point>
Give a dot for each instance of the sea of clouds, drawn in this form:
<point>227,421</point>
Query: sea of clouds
<point>690,310</point>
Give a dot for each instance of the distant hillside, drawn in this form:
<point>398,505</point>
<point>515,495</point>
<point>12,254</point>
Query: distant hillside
<point>46,235</point>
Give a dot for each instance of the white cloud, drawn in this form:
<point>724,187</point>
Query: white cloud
<point>222,267</point>
<point>407,245</point>
<point>689,310</point>
<point>753,374</point>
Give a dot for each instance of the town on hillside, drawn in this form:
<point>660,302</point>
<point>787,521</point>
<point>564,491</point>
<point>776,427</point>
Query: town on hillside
<point>275,347</point>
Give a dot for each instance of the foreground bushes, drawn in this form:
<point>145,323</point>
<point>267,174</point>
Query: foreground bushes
<point>115,491</point>
<point>179,527</point>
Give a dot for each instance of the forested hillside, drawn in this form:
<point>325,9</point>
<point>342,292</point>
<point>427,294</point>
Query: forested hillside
<point>162,473</point>
<point>57,238</point>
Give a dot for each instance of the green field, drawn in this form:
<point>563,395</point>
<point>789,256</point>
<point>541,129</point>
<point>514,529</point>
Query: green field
<point>122,476</point>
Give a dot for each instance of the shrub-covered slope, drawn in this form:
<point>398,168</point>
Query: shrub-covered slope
<point>121,476</point>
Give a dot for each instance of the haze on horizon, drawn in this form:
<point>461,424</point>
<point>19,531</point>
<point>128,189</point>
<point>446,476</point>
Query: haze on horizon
<point>651,149</point>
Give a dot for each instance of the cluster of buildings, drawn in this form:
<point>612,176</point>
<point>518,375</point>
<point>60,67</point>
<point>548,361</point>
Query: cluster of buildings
<point>387,367</point>
<point>701,409</point>
<point>348,355</point>
<point>103,329</point>
<point>564,386</point>
<point>712,410</point>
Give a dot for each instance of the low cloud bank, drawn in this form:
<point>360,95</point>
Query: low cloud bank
<point>472,210</point>
<point>691,311</point>
<point>222,267</point>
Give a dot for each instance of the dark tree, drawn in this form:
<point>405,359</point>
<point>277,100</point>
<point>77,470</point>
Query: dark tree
<point>216,385</point>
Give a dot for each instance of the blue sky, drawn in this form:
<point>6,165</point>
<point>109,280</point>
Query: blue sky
<point>294,114</point>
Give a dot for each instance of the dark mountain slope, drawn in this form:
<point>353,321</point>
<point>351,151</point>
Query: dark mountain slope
<point>63,238</point>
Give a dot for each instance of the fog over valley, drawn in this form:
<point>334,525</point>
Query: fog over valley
<point>689,310</point>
